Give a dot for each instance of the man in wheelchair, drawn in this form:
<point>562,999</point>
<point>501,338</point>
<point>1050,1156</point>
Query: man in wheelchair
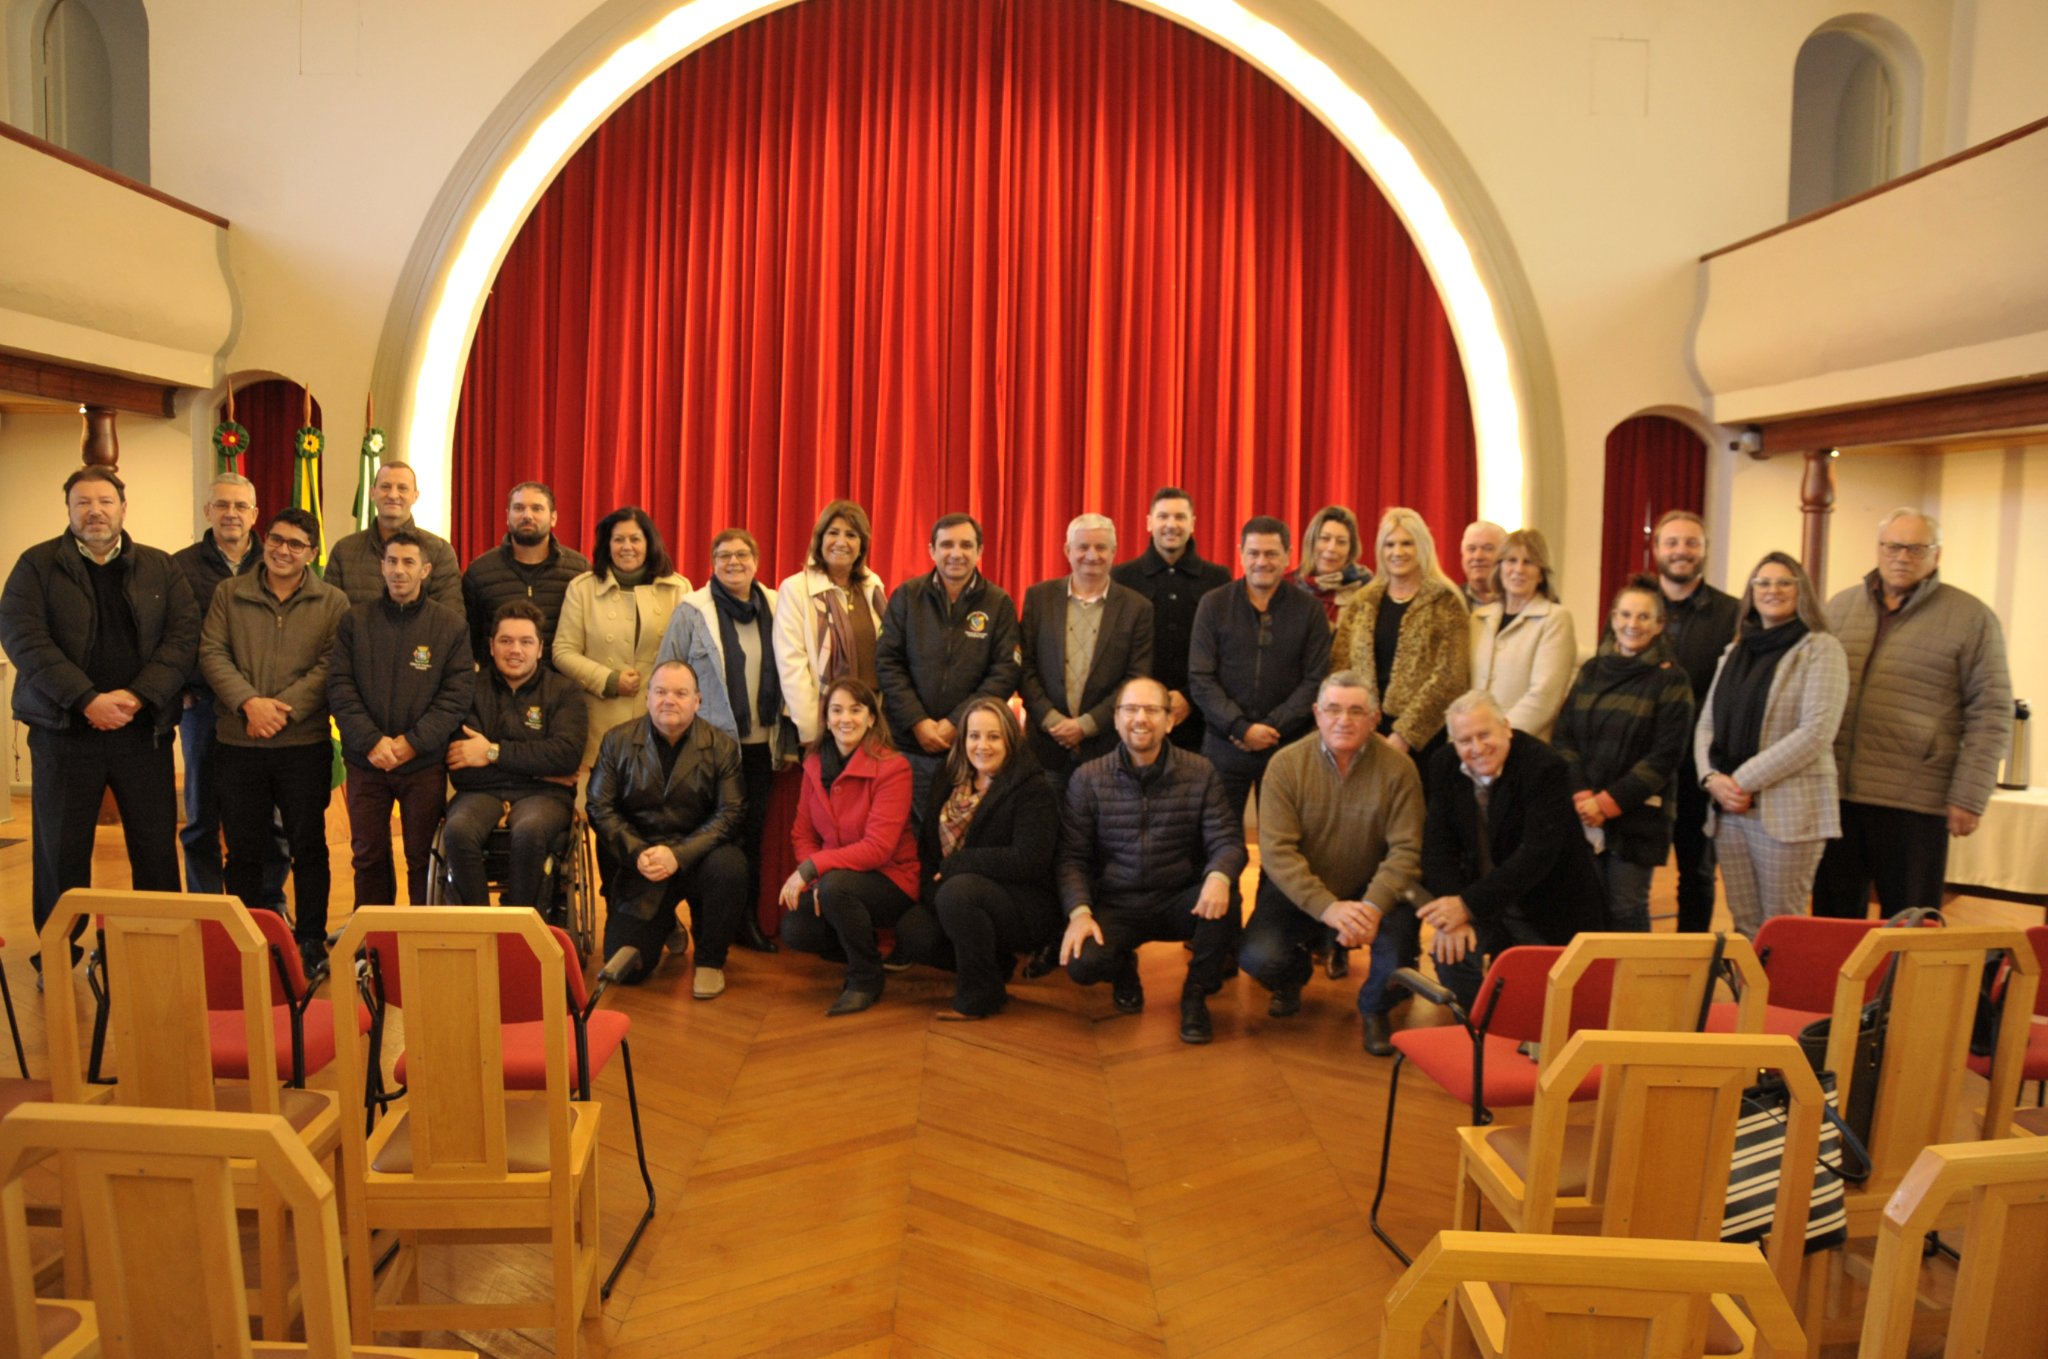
<point>515,761</point>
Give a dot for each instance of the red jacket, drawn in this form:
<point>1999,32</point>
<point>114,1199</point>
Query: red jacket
<point>863,824</point>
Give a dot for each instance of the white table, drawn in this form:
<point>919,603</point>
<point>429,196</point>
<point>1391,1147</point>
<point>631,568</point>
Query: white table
<point>2009,852</point>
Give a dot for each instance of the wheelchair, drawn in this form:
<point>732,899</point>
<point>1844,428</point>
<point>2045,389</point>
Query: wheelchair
<point>568,889</point>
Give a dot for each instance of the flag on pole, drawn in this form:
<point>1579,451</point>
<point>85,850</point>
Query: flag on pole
<point>366,471</point>
<point>307,447</point>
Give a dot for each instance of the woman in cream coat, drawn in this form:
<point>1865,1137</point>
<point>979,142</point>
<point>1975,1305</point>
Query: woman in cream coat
<point>614,617</point>
<point>828,616</point>
<point>1766,745</point>
<point>1523,650</point>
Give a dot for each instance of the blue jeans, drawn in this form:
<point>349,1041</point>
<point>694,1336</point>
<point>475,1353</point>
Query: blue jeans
<point>200,836</point>
<point>1628,893</point>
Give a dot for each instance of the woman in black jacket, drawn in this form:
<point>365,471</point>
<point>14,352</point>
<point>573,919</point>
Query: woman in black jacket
<point>990,835</point>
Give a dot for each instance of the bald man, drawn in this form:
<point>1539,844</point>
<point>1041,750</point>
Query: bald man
<point>1478,551</point>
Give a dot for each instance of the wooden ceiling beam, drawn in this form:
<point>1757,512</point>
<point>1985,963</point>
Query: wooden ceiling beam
<point>2020,404</point>
<point>71,385</point>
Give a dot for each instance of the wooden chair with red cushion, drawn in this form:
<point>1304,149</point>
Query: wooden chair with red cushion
<point>302,1021</point>
<point>2034,1065</point>
<point>1801,955</point>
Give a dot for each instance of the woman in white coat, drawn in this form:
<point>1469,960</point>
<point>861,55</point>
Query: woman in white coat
<point>1523,650</point>
<point>828,615</point>
<point>614,617</point>
<point>1765,745</point>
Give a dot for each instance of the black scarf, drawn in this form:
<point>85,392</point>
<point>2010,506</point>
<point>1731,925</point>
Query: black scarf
<point>831,764</point>
<point>1744,689</point>
<point>733,611</point>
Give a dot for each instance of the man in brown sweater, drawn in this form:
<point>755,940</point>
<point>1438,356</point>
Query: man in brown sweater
<point>1340,842</point>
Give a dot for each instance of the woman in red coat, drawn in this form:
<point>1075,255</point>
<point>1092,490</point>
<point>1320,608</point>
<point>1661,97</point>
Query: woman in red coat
<point>857,865</point>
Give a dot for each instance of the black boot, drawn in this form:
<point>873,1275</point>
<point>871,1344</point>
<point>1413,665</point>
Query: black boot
<point>750,937</point>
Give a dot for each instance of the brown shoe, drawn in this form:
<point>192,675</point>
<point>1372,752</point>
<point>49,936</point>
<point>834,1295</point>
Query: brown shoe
<point>1379,1036</point>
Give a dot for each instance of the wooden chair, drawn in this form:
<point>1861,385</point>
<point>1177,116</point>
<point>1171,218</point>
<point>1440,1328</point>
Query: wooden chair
<point>2000,1308</point>
<point>1938,978</point>
<point>13,1024</point>
<point>1551,1297</point>
<point>2034,1064</point>
<point>1649,983</point>
<point>460,1158</point>
<point>157,1192</point>
<point>162,1033</point>
<point>1655,1161</point>
<point>1801,956</point>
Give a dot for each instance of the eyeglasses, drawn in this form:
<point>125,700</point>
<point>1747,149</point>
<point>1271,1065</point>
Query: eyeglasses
<point>1760,584</point>
<point>1909,551</point>
<point>1139,710</point>
<point>741,555</point>
<point>289,544</point>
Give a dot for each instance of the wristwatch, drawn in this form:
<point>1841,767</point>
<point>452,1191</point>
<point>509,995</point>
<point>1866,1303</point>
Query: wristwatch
<point>491,753</point>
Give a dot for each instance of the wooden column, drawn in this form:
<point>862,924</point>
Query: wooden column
<point>102,443</point>
<point>1816,503</point>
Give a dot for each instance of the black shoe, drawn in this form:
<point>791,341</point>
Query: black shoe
<point>1127,992</point>
<point>852,1002</point>
<point>1379,1035</point>
<point>1339,965</point>
<point>1194,1018</point>
<point>1042,962</point>
<point>1286,1002</point>
<point>313,955</point>
<point>750,937</point>
<point>895,962</point>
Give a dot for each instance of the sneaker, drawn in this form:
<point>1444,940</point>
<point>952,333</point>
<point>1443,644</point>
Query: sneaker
<point>708,983</point>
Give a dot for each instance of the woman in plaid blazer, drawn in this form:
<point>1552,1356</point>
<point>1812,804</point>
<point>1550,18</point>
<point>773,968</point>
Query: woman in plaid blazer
<point>1765,744</point>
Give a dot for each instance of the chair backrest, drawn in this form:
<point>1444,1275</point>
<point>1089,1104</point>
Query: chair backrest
<point>157,1198</point>
<point>1650,983</point>
<point>224,962</point>
<point>443,963</point>
<point>157,978</point>
<point>1664,1134</point>
<point>1510,998</point>
<point>1939,976</point>
<point>1999,1310</point>
<point>1803,954</point>
<point>2037,935</point>
<point>519,974</point>
<point>1578,1297</point>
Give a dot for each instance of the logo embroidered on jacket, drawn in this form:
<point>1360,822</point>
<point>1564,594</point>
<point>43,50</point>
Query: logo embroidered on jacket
<point>423,657</point>
<point>533,718</point>
<point>977,624</point>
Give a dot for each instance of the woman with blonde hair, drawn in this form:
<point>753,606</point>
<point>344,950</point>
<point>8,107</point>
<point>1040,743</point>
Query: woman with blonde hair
<point>1523,648</point>
<point>1407,631</point>
<point>828,616</point>
<point>1330,547</point>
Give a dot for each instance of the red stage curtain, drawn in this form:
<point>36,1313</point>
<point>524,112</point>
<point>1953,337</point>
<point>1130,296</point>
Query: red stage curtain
<point>1020,259</point>
<point>1654,464</point>
<point>273,411</point>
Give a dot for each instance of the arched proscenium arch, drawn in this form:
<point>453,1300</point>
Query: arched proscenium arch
<point>440,343</point>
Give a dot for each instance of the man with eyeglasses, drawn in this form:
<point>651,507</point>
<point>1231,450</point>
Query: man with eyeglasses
<point>228,548</point>
<point>264,651</point>
<point>1340,845</point>
<point>1928,719</point>
<point>1149,852</point>
<point>1699,623</point>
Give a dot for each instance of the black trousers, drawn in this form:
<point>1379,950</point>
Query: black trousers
<point>1695,852</point>
<point>972,927</point>
<point>838,917</point>
<point>1905,854</point>
<point>265,785</point>
<point>1169,915</point>
<point>71,772</point>
<point>643,913</point>
<point>536,822</point>
<point>1279,940</point>
<point>757,780</point>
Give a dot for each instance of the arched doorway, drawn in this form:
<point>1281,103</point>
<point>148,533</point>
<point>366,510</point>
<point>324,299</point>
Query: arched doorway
<point>273,410</point>
<point>1655,464</point>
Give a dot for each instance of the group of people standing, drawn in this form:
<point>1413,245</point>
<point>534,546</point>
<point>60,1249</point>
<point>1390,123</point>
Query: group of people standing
<point>1422,752</point>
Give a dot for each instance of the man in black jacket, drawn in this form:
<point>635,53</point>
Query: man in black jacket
<point>1699,623</point>
<point>399,685</point>
<point>1172,575</point>
<point>666,799</point>
<point>530,564</point>
<point>517,757</point>
<point>1149,850</point>
<point>228,548</point>
<point>1083,637</point>
<point>1504,859</point>
<point>1260,649</point>
<point>103,632</point>
<point>355,564</point>
<point>946,638</point>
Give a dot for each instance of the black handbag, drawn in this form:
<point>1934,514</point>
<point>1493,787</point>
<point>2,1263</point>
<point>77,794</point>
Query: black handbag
<point>1867,1059</point>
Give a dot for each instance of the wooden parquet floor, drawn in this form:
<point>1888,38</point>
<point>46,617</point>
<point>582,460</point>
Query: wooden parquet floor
<point>1058,1181</point>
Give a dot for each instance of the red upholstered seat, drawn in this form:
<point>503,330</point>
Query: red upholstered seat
<point>1444,1054</point>
<point>314,1050</point>
<point>1777,1019</point>
<point>526,1050</point>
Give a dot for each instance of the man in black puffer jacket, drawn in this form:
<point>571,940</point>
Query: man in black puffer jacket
<point>103,632</point>
<point>530,564</point>
<point>1149,851</point>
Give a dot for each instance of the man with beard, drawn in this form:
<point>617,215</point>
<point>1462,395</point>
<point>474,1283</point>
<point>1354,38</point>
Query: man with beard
<point>1699,624</point>
<point>1171,574</point>
<point>530,564</point>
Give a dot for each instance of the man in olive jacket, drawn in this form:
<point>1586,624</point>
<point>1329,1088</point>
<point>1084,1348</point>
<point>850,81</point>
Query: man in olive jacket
<point>1928,720</point>
<point>666,800</point>
<point>264,652</point>
<point>102,632</point>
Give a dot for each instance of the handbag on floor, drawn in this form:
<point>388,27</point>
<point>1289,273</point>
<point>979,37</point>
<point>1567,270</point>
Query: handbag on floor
<point>1760,1152</point>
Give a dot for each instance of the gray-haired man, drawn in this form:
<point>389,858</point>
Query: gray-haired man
<point>1083,635</point>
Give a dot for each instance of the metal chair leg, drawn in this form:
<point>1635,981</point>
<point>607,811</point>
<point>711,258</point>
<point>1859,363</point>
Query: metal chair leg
<point>13,1024</point>
<point>1386,1149</point>
<point>646,1178</point>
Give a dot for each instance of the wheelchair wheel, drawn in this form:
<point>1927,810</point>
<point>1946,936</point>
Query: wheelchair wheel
<point>578,876</point>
